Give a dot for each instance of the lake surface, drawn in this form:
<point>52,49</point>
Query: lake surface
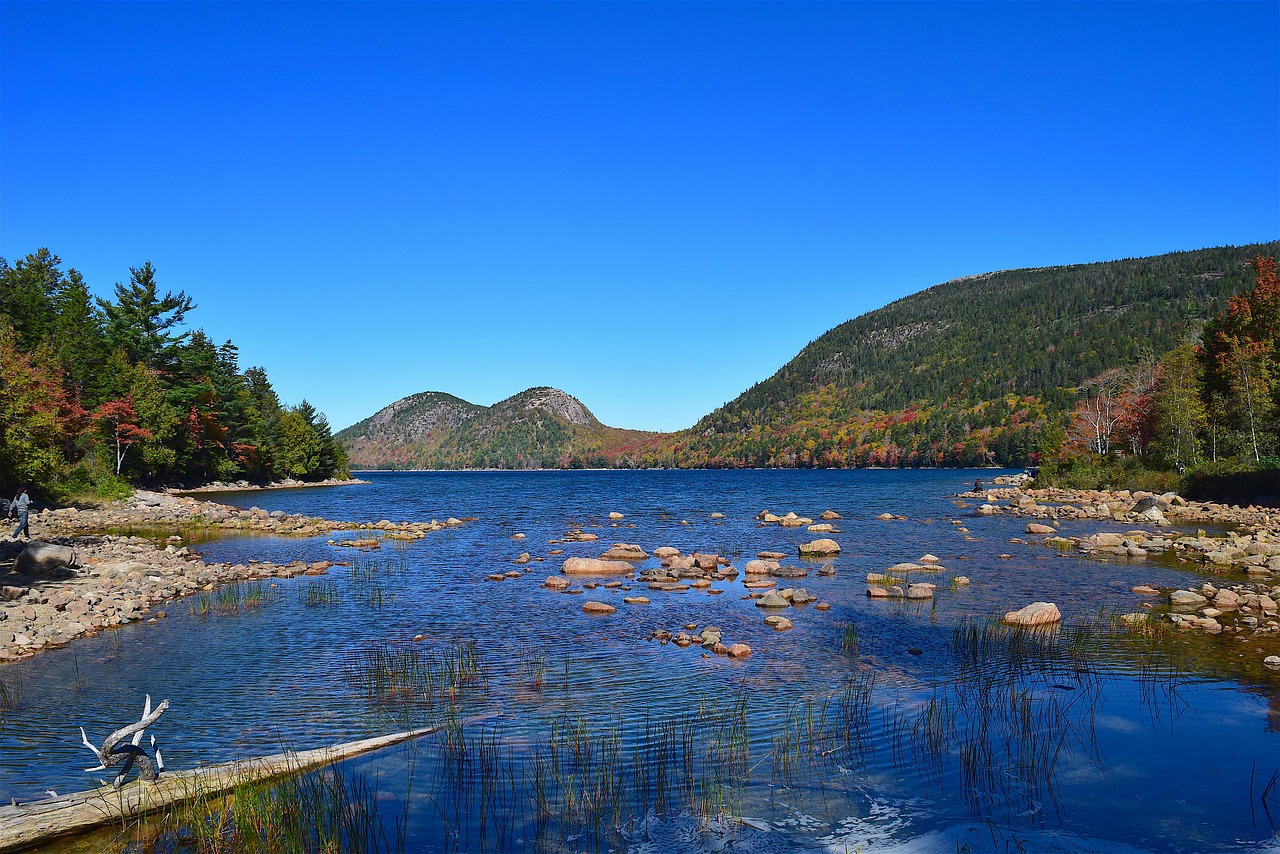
<point>877,725</point>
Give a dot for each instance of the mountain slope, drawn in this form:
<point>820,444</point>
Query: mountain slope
<point>963,372</point>
<point>403,431</point>
<point>537,428</point>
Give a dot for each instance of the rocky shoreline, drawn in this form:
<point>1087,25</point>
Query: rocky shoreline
<point>1245,558</point>
<point>91,571</point>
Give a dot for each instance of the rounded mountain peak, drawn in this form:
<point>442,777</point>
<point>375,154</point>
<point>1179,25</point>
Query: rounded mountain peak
<point>556,402</point>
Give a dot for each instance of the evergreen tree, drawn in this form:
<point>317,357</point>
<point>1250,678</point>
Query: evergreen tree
<point>140,320</point>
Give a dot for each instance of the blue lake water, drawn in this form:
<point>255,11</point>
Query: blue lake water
<point>1081,740</point>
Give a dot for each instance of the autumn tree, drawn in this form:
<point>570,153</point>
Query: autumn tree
<point>1241,358</point>
<point>118,421</point>
<point>38,419</point>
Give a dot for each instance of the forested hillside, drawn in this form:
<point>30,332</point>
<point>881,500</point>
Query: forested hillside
<point>968,372</point>
<point>537,428</point>
<point>95,392</point>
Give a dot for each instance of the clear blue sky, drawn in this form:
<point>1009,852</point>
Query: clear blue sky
<point>650,206</point>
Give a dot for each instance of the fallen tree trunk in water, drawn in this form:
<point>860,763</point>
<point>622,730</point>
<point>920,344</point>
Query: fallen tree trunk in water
<point>28,825</point>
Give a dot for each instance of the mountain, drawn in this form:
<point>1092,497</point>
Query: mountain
<point>967,372</point>
<point>537,428</point>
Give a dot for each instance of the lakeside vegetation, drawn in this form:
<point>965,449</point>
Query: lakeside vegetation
<point>1204,418</point>
<point>1152,372</point>
<point>98,394</point>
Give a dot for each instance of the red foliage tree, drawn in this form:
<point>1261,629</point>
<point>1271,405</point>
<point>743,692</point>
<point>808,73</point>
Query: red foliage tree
<point>118,420</point>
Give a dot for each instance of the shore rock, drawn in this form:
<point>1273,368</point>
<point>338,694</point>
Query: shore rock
<point>41,557</point>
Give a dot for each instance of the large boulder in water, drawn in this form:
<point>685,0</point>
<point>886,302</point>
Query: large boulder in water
<point>820,547</point>
<point>44,557</point>
<point>1035,614</point>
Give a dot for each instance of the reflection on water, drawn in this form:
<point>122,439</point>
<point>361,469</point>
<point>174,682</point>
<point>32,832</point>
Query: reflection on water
<point>875,724</point>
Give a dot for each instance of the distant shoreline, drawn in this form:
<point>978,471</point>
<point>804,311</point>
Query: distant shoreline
<point>245,486</point>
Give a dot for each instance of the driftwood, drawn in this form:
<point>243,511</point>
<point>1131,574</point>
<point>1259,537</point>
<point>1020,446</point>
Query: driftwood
<point>28,825</point>
<point>112,753</point>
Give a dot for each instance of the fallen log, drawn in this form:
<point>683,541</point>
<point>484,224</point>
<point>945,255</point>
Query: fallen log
<point>28,825</point>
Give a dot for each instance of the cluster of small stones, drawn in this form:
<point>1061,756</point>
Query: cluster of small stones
<point>709,638</point>
<point>680,573</point>
<point>794,520</point>
<point>118,582</point>
<point>1248,610</point>
<point>1243,609</point>
<point>147,510</point>
<point>894,582</point>
<point>1256,554</point>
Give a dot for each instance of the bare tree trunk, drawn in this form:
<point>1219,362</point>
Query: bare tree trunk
<point>1248,401</point>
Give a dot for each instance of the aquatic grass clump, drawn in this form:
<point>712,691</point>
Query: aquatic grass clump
<point>378,597</point>
<point>586,783</point>
<point>401,674</point>
<point>319,811</point>
<point>231,598</point>
<point>322,594</point>
<point>10,694</point>
<point>531,668</point>
<point>849,640</point>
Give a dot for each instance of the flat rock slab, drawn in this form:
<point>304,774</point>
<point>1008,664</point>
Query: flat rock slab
<point>592,566</point>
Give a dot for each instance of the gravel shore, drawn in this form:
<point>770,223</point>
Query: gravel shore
<point>118,576</point>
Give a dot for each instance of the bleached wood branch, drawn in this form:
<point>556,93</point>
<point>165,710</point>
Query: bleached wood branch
<point>110,755</point>
<point>96,752</point>
<point>148,718</point>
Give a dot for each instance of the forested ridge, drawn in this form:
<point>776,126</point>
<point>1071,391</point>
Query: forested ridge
<point>969,372</point>
<point>97,393</point>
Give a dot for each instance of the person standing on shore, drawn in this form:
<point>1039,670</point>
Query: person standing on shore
<point>21,505</point>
